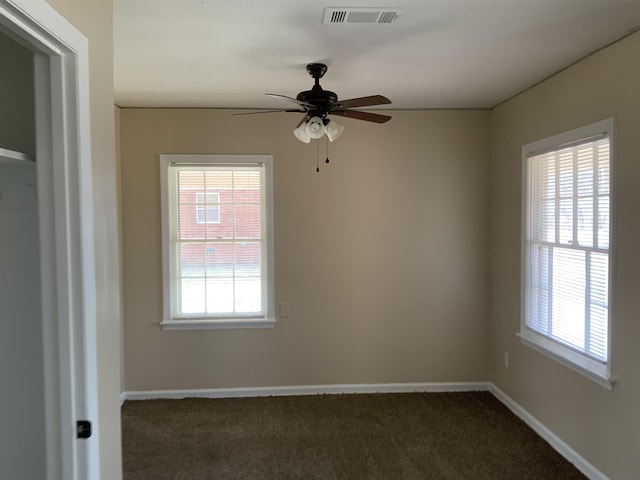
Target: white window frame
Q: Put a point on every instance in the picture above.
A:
(169, 321)
(599, 372)
(202, 208)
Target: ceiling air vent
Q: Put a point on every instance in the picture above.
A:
(361, 15)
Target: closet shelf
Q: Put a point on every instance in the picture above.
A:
(13, 156)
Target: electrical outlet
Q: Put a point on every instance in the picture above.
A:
(507, 360)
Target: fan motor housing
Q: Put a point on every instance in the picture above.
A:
(321, 99)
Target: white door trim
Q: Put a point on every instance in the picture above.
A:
(63, 158)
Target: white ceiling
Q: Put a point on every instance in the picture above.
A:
(438, 54)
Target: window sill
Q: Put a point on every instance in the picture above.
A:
(209, 324)
(592, 369)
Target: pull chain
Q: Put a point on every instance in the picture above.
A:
(327, 142)
(317, 157)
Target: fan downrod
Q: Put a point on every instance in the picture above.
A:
(320, 99)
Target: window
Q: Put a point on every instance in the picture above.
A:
(207, 207)
(217, 241)
(566, 248)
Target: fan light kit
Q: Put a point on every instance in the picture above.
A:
(317, 104)
(315, 127)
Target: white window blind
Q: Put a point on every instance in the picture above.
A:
(217, 220)
(566, 254)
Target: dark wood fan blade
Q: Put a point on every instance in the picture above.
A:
(304, 119)
(270, 111)
(364, 101)
(290, 99)
(358, 115)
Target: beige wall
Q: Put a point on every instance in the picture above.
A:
(602, 426)
(94, 19)
(382, 255)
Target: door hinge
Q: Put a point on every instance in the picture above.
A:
(83, 429)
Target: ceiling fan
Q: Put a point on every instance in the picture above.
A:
(317, 104)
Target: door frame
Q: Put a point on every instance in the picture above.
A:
(65, 206)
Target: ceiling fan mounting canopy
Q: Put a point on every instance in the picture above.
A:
(316, 70)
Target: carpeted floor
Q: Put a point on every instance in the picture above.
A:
(374, 436)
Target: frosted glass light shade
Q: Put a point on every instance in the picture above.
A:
(315, 127)
(301, 134)
(333, 130)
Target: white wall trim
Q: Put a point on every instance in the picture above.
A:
(307, 390)
(556, 442)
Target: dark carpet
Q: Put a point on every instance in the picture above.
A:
(445, 436)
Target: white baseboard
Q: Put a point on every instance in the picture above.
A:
(556, 442)
(307, 390)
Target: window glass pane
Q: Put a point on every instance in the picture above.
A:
(565, 170)
(248, 221)
(547, 176)
(189, 182)
(219, 178)
(598, 314)
(207, 207)
(190, 259)
(603, 169)
(247, 186)
(188, 227)
(192, 297)
(566, 222)
(224, 228)
(219, 259)
(599, 334)
(585, 157)
(248, 298)
(248, 259)
(540, 286)
(220, 295)
(568, 297)
(548, 212)
(599, 275)
(585, 221)
(603, 222)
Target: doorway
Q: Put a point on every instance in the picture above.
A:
(47, 278)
